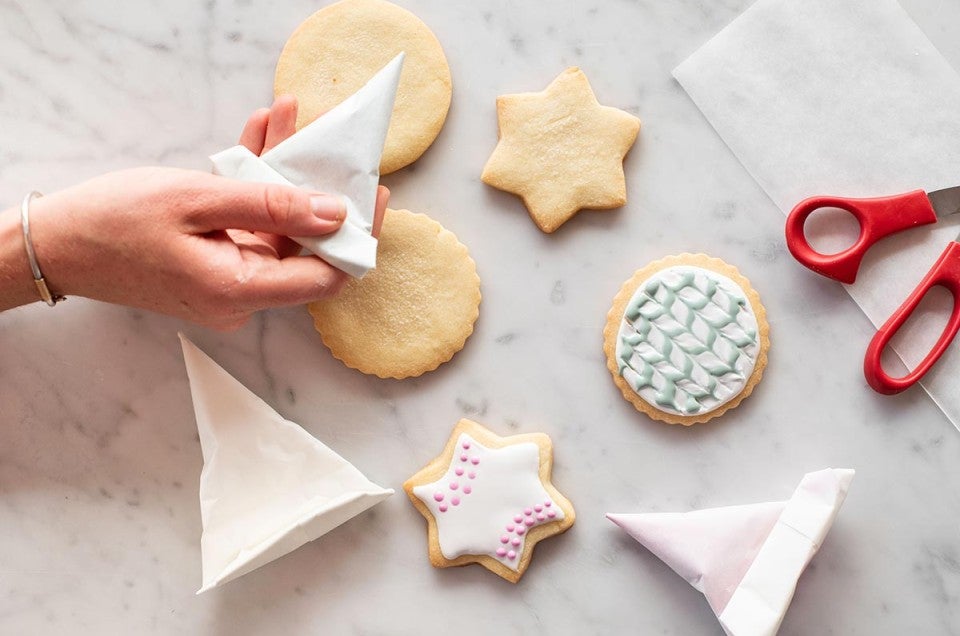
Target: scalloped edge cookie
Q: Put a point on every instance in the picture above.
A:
(414, 311)
(615, 316)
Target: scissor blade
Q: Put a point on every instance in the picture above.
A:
(945, 202)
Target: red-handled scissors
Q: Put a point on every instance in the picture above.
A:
(878, 218)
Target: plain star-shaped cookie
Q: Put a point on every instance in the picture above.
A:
(561, 151)
(488, 499)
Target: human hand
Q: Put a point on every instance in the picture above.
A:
(190, 244)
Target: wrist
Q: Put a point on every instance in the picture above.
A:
(16, 280)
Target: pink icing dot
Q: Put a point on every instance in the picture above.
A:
(467, 489)
(454, 485)
(551, 513)
(521, 530)
(459, 471)
(548, 503)
(504, 539)
(472, 475)
(511, 555)
(541, 516)
(443, 507)
(538, 508)
(466, 445)
(518, 518)
(527, 511)
(528, 522)
(515, 541)
(455, 501)
(463, 457)
(438, 496)
(510, 527)
(501, 552)
(475, 461)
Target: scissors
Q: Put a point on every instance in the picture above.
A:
(878, 218)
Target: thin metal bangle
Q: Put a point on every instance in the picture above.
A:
(45, 294)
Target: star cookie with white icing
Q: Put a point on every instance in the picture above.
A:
(488, 499)
(561, 151)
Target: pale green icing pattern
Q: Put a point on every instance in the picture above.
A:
(688, 340)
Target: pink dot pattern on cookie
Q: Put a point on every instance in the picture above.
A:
(454, 485)
(522, 521)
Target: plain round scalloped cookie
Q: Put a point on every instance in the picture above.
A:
(410, 314)
(340, 47)
(616, 314)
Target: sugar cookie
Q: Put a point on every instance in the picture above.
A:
(561, 151)
(411, 313)
(686, 339)
(488, 499)
(337, 49)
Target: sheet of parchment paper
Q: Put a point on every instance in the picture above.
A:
(844, 97)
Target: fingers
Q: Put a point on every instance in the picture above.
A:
(255, 131)
(218, 203)
(282, 121)
(383, 196)
(267, 127)
(295, 280)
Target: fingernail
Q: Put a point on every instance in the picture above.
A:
(328, 207)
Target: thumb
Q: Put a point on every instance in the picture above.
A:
(266, 207)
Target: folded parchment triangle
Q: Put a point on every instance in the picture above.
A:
(267, 486)
(746, 559)
(338, 153)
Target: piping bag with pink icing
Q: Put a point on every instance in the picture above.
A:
(338, 153)
(746, 559)
(267, 485)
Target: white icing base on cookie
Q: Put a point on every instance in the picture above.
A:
(691, 344)
(496, 507)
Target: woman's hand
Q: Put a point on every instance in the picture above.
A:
(189, 244)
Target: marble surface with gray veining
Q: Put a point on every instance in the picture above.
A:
(99, 456)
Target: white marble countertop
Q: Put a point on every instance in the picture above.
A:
(99, 457)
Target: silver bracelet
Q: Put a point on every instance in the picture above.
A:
(49, 298)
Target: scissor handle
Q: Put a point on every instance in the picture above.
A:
(946, 273)
(878, 217)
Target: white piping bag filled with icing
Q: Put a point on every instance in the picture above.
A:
(337, 153)
(746, 559)
(267, 486)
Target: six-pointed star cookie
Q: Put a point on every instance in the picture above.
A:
(488, 499)
(561, 151)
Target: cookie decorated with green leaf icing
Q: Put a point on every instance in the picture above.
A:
(686, 339)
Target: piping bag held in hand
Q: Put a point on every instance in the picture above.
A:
(338, 153)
